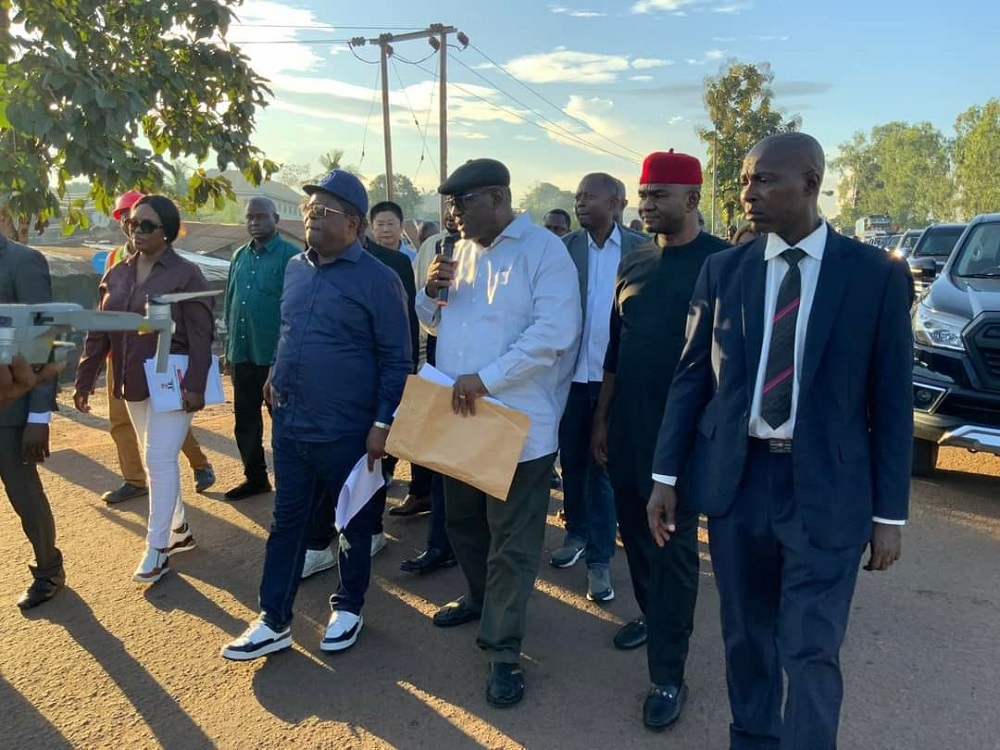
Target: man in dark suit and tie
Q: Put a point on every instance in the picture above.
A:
(789, 424)
(24, 431)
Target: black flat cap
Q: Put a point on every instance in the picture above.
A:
(475, 173)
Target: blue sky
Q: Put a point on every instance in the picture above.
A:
(621, 77)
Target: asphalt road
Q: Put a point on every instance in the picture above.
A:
(110, 664)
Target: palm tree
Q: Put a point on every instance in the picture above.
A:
(332, 160)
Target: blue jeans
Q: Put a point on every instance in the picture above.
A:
(302, 471)
(588, 499)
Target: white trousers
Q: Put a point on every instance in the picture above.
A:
(161, 435)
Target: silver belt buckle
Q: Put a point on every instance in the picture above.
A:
(778, 445)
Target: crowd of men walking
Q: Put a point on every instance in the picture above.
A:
(764, 385)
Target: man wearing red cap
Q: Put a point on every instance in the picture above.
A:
(648, 318)
(119, 425)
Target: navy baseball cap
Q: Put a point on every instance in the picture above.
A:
(342, 185)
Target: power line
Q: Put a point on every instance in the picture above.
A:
(521, 118)
(524, 85)
(560, 129)
(364, 137)
(423, 149)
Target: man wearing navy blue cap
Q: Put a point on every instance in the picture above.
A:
(342, 360)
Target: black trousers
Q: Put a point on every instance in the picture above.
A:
(27, 497)
(665, 582)
(248, 398)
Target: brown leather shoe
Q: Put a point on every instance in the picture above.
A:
(412, 505)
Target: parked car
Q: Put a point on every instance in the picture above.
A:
(956, 370)
(904, 242)
(931, 251)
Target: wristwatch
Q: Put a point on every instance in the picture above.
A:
(380, 425)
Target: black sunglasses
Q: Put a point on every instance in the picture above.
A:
(141, 227)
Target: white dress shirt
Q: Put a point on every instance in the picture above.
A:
(602, 270)
(514, 318)
(813, 246)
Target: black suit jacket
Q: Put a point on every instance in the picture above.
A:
(25, 280)
(401, 264)
(854, 423)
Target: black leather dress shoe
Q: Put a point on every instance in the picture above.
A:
(506, 685)
(40, 591)
(663, 705)
(631, 634)
(248, 489)
(412, 505)
(455, 613)
(428, 561)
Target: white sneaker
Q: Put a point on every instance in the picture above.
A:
(181, 540)
(257, 640)
(378, 543)
(154, 565)
(342, 631)
(318, 560)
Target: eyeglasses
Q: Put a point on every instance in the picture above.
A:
(319, 211)
(141, 227)
(461, 201)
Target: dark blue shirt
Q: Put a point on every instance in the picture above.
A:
(344, 349)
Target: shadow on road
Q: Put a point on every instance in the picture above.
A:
(159, 710)
(24, 726)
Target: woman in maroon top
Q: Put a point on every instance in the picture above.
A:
(154, 269)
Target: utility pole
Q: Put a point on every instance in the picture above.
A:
(386, 50)
(437, 36)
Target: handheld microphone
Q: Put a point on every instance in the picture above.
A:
(447, 249)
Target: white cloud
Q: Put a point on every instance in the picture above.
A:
(525, 138)
(733, 8)
(470, 136)
(587, 14)
(675, 120)
(558, 9)
(594, 113)
(713, 55)
(724, 39)
(770, 38)
(318, 114)
(262, 33)
(646, 63)
(640, 78)
(567, 66)
(666, 6)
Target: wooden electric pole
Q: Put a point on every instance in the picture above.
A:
(437, 35)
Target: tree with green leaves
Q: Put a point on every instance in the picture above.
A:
(901, 170)
(113, 91)
(404, 192)
(976, 156)
(542, 197)
(740, 106)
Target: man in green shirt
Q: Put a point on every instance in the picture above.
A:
(253, 317)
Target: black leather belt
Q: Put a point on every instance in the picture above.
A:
(776, 445)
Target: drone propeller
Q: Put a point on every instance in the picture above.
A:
(169, 299)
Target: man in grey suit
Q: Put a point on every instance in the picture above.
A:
(24, 431)
(589, 504)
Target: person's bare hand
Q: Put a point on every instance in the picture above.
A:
(35, 442)
(267, 391)
(193, 402)
(885, 547)
(81, 400)
(599, 443)
(375, 445)
(439, 275)
(464, 393)
(660, 512)
(20, 377)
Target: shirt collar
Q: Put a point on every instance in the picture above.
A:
(615, 238)
(166, 260)
(352, 254)
(267, 246)
(813, 245)
(516, 228)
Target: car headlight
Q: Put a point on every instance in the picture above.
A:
(932, 328)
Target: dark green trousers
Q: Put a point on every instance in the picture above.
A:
(499, 547)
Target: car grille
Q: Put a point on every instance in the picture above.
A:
(971, 410)
(983, 342)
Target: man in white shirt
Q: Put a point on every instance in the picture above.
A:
(790, 425)
(510, 329)
(588, 500)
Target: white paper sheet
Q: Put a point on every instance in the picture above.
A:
(165, 387)
(360, 487)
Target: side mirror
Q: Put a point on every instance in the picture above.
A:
(924, 269)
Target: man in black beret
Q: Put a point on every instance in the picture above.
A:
(510, 329)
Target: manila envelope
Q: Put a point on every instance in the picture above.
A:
(481, 450)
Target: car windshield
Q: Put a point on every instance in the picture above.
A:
(937, 242)
(909, 240)
(979, 255)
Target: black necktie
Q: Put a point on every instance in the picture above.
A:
(776, 401)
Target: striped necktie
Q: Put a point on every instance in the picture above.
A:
(776, 400)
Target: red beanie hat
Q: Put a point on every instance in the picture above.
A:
(668, 168)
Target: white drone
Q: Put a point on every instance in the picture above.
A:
(32, 331)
